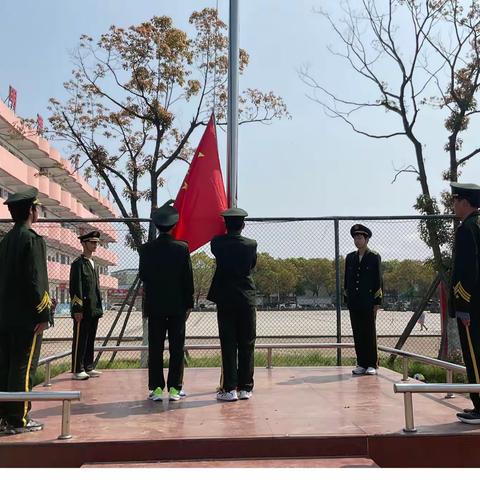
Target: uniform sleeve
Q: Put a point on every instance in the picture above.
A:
(345, 280)
(188, 281)
(142, 265)
(254, 261)
(213, 247)
(38, 277)
(466, 269)
(378, 282)
(76, 293)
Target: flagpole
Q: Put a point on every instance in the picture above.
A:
(232, 114)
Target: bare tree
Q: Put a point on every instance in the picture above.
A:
(425, 46)
(128, 87)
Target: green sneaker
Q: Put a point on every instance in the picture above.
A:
(157, 394)
(173, 394)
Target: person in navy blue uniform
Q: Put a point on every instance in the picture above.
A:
(233, 290)
(166, 272)
(85, 307)
(465, 286)
(363, 290)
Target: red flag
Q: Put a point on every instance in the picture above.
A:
(202, 196)
(12, 97)
(39, 124)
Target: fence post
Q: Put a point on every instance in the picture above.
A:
(338, 290)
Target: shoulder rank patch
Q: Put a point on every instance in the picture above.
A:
(461, 292)
(45, 302)
(77, 301)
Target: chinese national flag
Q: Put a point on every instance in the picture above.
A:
(202, 196)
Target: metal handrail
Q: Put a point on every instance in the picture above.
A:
(406, 356)
(449, 367)
(48, 367)
(423, 359)
(436, 387)
(408, 389)
(65, 397)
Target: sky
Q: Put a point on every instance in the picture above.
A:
(311, 165)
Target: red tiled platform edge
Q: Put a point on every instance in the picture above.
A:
(294, 413)
(336, 462)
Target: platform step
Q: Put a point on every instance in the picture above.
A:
(325, 462)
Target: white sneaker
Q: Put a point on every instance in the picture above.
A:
(358, 370)
(94, 373)
(227, 396)
(244, 395)
(81, 376)
(371, 371)
(150, 394)
(182, 393)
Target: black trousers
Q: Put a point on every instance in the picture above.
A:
(84, 333)
(19, 354)
(365, 336)
(237, 330)
(158, 327)
(470, 342)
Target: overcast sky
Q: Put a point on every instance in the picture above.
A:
(310, 165)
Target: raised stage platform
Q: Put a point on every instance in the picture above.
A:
(297, 417)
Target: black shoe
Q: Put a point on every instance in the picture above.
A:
(6, 428)
(469, 410)
(31, 426)
(472, 418)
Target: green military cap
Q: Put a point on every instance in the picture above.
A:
(469, 191)
(23, 196)
(93, 236)
(362, 229)
(234, 212)
(165, 216)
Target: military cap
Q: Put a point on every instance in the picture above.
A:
(362, 229)
(234, 212)
(469, 191)
(23, 196)
(93, 236)
(165, 216)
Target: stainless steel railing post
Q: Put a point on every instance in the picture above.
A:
(408, 403)
(48, 375)
(65, 435)
(450, 380)
(405, 369)
(269, 358)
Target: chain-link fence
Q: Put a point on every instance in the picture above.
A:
(299, 278)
